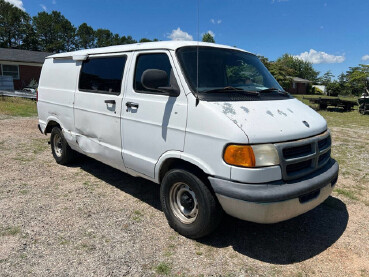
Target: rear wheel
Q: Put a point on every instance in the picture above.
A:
(189, 206)
(62, 153)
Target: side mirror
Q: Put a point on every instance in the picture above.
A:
(157, 80)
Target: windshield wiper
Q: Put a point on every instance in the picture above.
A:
(283, 92)
(232, 89)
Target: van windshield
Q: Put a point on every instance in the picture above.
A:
(226, 73)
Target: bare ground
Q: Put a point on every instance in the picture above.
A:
(91, 220)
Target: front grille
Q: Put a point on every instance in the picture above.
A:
(296, 167)
(302, 157)
(298, 151)
(324, 143)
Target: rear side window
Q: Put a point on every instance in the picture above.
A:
(152, 61)
(102, 75)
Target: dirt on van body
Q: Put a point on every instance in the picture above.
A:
(88, 219)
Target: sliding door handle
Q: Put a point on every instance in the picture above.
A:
(110, 102)
(132, 105)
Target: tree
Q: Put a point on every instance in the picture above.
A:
(13, 25)
(145, 40)
(279, 71)
(54, 32)
(86, 36)
(208, 38)
(30, 41)
(104, 38)
(299, 68)
(326, 78)
(356, 78)
(127, 40)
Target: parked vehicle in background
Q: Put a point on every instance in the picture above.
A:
(207, 122)
(364, 99)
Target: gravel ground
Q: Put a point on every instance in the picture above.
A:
(88, 219)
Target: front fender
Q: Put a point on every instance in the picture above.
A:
(182, 156)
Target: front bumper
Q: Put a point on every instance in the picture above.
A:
(276, 201)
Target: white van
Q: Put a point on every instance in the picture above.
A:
(207, 122)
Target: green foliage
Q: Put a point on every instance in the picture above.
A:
(104, 38)
(86, 36)
(356, 79)
(326, 78)
(298, 67)
(54, 32)
(288, 65)
(127, 40)
(208, 38)
(353, 82)
(14, 25)
(145, 40)
(279, 71)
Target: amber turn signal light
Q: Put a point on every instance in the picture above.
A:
(239, 155)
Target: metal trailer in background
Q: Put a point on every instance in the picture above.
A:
(22, 94)
(346, 105)
(363, 105)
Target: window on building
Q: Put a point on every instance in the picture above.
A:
(10, 70)
(152, 61)
(102, 75)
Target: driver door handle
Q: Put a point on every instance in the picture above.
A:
(132, 105)
(109, 101)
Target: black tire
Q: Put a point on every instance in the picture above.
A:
(363, 109)
(209, 213)
(62, 152)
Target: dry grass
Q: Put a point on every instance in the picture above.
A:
(14, 106)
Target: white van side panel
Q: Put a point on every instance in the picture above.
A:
(56, 93)
(98, 124)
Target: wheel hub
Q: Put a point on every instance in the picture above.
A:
(183, 203)
(187, 201)
(58, 145)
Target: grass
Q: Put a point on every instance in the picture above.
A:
(14, 106)
(137, 215)
(351, 119)
(39, 145)
(9, 231)
(348, 193)
(90, 186)
(163, 268)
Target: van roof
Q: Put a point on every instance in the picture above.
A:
(169, 45)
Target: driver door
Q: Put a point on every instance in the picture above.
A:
(152, 123)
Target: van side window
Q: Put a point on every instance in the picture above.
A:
(102, 75)
(152, 61)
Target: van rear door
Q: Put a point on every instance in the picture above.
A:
(97, 108)
(153, 123)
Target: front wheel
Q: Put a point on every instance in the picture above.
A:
(189, 206)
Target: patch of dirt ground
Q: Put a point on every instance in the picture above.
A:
(89, 219)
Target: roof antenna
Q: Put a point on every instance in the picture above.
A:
(197, 53)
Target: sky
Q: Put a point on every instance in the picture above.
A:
(332, 34)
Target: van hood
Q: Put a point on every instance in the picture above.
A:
(273, 121)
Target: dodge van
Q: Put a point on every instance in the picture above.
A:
(207, 122)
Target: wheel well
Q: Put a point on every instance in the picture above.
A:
(178, 163)
(50, 126)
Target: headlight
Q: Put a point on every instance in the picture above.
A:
(251, 155)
